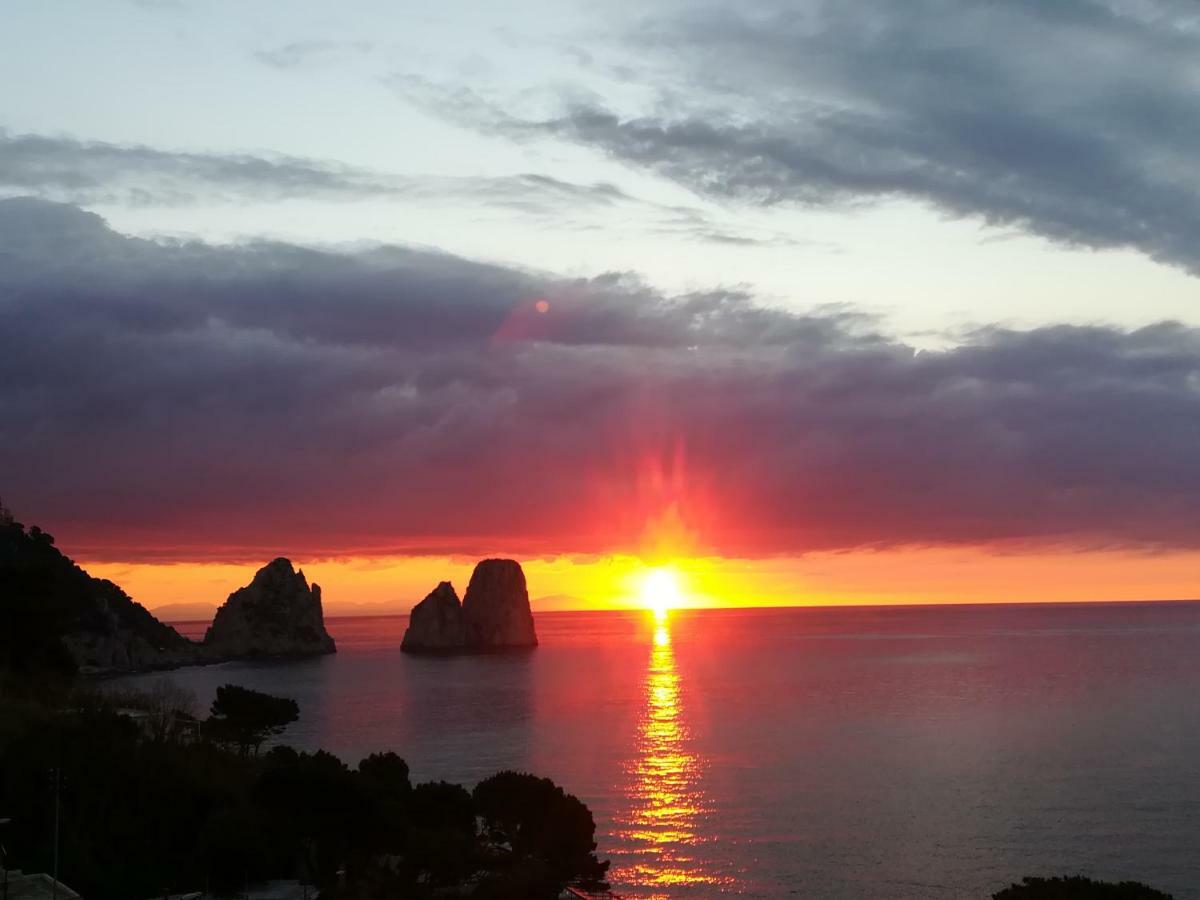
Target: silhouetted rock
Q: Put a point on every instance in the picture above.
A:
(496, 607)
(435, 625)
(494, 614)
(277, 614)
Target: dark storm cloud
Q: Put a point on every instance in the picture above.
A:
(89, 172)
(1076, 121)
(188, 400)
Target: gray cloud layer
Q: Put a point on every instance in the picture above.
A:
(1078, 121)
(190, 400)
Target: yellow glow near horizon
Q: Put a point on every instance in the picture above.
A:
(660, 591)
(379, 585)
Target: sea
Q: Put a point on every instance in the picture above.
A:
(905, 753)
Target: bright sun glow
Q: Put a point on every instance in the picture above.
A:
(660, 590)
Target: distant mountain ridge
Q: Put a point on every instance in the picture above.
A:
(200, 611)
(184, 612)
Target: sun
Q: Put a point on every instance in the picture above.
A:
(660, 590)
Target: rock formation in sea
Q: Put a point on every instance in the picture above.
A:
(496, 607)
(277, 614)
(494, 614)
(435, 625)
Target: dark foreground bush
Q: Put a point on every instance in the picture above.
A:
(1076, 887)
(144, 812)
(551, 834)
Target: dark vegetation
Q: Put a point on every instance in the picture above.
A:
(1077, 887)
(151, 803)
(247, 718)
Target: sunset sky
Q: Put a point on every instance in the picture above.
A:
(817, 303)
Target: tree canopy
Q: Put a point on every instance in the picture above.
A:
(246, 717)
(1076, 887)
(546, 827)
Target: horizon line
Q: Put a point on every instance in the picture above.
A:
(777, 606)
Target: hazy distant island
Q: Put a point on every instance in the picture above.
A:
(493, 616)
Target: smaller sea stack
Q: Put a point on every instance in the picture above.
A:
(435, 625)
(493, 617)
(277, 614)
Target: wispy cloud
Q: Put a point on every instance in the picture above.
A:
(65, 169)
(298, 54)
(93, 171)
(88, 172)
(1075, 121)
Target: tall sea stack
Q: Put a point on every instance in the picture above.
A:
(494, 615)
(277, 614)
(496, 609)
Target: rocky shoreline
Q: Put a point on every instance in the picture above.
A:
(277, 616)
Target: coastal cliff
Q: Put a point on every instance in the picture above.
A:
(55, 617)
(277, 614)
(494, 615)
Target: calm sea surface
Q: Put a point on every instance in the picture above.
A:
(826, 753)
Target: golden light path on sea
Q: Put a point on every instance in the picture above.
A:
(665, 802)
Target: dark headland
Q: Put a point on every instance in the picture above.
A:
(54, 613)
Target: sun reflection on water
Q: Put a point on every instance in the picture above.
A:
(665, 803)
